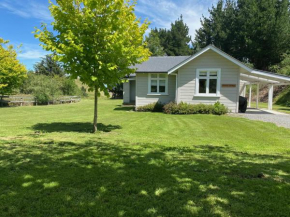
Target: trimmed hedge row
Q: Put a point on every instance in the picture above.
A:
(185, 108)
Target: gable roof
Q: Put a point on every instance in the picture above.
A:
(170, 64)
(160, 64)
(232, 59)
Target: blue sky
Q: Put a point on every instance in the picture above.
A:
(19, 17)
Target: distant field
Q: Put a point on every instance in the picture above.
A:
(140, 164)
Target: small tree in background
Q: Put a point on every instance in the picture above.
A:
(96, 40)
(12, 72)
(48, 66)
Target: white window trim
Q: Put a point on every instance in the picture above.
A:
(207, 94)
(158, 79)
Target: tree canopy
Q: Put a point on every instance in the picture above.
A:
(251, 31)
(175, 41)
(49, 66)
(154, 44)
(96, 40)
(284, 66)
(12, 72)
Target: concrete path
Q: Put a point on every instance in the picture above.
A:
(278, 118)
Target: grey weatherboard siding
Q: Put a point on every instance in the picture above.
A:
(142, 97)
(230, 74)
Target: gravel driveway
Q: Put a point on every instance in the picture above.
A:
(278, 118)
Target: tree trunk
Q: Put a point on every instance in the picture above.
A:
(96, 111)
(1, 103)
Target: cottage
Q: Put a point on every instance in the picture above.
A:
(206, 77)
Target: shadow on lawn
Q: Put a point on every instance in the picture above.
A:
(73, 127)
(124, 108)
(104, 179)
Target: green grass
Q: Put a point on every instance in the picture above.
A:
(279, 108)
(140, 164)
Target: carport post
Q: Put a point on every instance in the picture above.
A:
(250, 95)
(270, 95)
(258, 94)
(244, 90)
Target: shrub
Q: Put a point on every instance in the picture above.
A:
(186, 108)
(84, 92)
(219, 109)
(170, 108)
(153, 107)
(42, 98)
(69, 87)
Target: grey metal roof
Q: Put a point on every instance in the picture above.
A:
(159, 64)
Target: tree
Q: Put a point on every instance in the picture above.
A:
(96, 40)
(154, 45)
(219, 29)
(251, 31)
(176, 40)
(283, 67)
(48, 66)
(12, 72)
(179, 39)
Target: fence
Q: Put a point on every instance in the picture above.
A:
(30, 100)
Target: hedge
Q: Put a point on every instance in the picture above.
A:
(185, 108)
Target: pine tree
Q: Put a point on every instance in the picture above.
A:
(251, 31)
(179, 39)
(176, 40)
(48, 66)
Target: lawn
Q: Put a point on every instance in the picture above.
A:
(140, 164)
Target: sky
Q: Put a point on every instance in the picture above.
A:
(19, 17)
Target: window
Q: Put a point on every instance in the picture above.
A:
(208, 82)
(158, 83)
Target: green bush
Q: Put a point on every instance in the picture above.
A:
(186, 108)
(69, 87)
(170, 108)
(48, 88)
(84, 92)
(153, 107)
(42, 98)
(219, 109)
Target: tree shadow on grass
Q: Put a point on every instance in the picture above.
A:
(124, 108)
(73, 127)
(123, 179)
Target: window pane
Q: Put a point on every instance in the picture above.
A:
(213, 86)
(162, 75)
(213, 73)
(153, 86)
(203, 73)
(162, 86)
(202, 85)
(153, 75)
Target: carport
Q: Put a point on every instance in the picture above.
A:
(248, 78)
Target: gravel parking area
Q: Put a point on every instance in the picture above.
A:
(280, 119)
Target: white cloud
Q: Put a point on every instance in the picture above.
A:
(31, 52)
(162, 13)
(27, 9)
